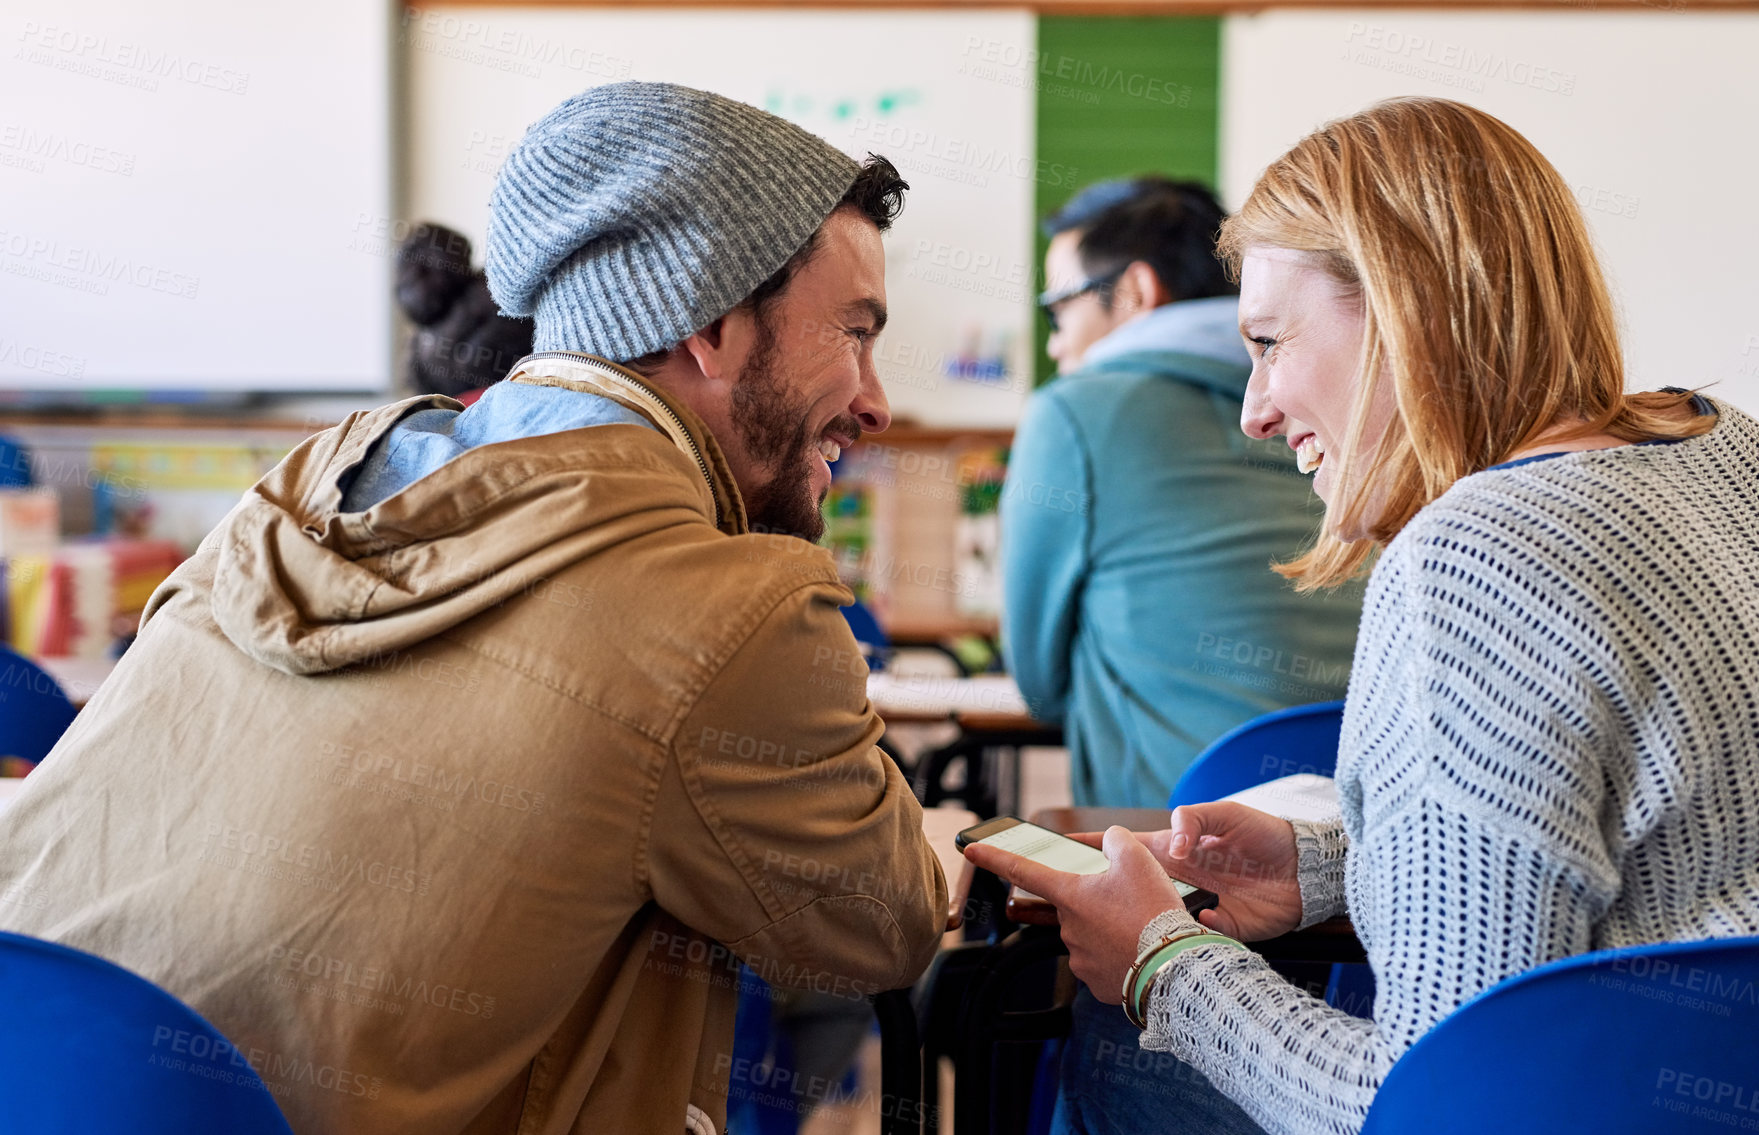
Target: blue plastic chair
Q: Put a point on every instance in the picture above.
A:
(753, 1103)
(1300, 739)
(33, 710)
(1285, 742)
(91, 1047)
(876, 645)
(1657, 1039)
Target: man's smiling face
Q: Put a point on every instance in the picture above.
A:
(806, 387)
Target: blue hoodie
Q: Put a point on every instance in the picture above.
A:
(1138, 526)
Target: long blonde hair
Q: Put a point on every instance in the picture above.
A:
(1483, 303)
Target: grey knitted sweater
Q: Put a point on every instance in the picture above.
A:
(1550, 746)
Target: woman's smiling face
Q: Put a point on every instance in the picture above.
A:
(1304, 331)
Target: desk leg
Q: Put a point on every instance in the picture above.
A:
(901, 1111)
(978, 794)
(1006, 778)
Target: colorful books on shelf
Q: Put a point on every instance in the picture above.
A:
(76, 599)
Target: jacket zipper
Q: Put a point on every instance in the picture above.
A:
(651, 401)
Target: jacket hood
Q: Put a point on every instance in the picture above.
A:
(1198, 340)
(304, 587)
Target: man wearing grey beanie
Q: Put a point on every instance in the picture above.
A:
(474, 749)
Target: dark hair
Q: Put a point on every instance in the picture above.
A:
(1169, 225)
(877, 194)
(461, 340)
(433, 268)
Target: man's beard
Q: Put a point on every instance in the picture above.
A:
(776, 431)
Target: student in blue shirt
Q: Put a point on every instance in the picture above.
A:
(1138, 524)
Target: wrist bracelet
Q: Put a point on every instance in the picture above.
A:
(1155, 962)
(1135, 970)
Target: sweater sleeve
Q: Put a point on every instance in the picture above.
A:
(1045, 530)
(1320, 849)
(1475, 778)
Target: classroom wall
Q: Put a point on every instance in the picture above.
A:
(253, 161)
(946, 95)
(193, 194)
(1648, 115)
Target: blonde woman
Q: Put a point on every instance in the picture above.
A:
(1551, 740)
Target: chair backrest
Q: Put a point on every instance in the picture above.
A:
(33, 710)
(1300, 739)
(89, 1046)
(1659, 1039)
(875, 644)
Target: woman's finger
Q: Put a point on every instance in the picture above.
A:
(1154, 841)
(1191, 822)
(1022, 872)
(1219, 921)
(1123, 846)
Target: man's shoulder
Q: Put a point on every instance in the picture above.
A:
(1139, 377)
(768, 623)
(644, 626)
(1089, 398)
(700, 569)
(1118, 377)
(726, 591)
(1131, 403)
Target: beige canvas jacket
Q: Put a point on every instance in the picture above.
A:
(443, 811)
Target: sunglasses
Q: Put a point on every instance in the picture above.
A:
(1049, 302)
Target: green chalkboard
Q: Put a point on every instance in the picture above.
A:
(1122, 96)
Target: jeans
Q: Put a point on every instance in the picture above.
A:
(1109, 1085)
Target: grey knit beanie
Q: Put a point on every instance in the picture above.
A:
(635, 214)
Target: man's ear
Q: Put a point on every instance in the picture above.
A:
(1140, 289)
(720, 349)
(704, 348)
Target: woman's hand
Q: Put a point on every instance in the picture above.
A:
(1245, 856)
(1102, 914)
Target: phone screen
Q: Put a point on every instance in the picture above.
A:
(1041, 845)
(1050, 849)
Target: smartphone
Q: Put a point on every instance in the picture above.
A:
(1041, 845)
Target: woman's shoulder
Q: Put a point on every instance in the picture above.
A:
(1586, 532)
(1571, 503)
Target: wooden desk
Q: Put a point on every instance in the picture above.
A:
(932, 697)
(987, 721)
(1331, 941)
(991, 714)
(940, 825)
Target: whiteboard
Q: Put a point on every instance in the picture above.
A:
(946, 95)
(1650, 117)
(197, 197)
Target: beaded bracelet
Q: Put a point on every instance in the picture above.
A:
(1155, 962)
